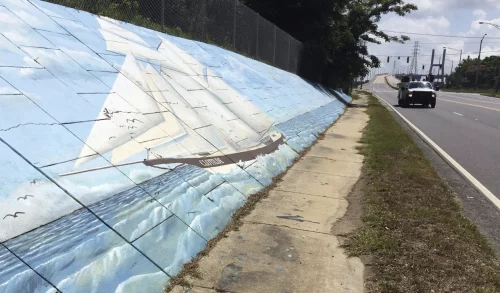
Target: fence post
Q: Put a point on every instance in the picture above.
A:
(162, 15)
(257, 39)
(289, 43)
(274, 48)
(300, 49)
(234, 25)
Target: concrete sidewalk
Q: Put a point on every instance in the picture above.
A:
(289, 243)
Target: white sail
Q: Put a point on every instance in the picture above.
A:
(142, 51)
(188, 119)
(209, 108)
(184, 110)
(172, 127)
(240, 106)
(119, 31)
(121, 119)
(168, 49)
(174, 99)
(168, 130)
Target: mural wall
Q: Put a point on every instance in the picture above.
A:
(124, 150)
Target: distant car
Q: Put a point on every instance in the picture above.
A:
(416, 92)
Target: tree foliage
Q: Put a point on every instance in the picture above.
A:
(335, 33)
(486, 70)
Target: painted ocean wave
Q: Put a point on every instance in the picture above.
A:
(162, 223)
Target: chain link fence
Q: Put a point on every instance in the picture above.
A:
(225, 23)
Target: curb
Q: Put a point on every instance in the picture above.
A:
(387, 82)
(486, 95)
(447, 158)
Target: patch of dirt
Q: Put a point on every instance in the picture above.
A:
(351, 221)
(345, 227)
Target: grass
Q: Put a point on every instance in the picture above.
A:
(414, 231)
(487, 92)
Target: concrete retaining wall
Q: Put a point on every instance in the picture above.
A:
(124, 150)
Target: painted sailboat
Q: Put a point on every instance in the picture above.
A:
(176, 113)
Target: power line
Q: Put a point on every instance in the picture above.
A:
(464, 53)
(440, 43)
(435, 35)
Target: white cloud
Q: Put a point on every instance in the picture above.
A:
(440, 7)
(442, 17)
(479, 13)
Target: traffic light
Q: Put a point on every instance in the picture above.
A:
(388, 59)
(423, 67)
(408, 60)
(399, 57)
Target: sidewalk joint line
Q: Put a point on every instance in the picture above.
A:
(303, 193)
(285, 226)
(323, 173)
(336, 160)
(212, 289)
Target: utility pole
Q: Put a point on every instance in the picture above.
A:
(479, 61)
(442, 65)
(432, 62)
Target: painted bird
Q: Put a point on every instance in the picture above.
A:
(15, 215)
(25, 197)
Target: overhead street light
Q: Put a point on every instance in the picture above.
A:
(492, 24)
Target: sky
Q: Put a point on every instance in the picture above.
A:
(441, 17)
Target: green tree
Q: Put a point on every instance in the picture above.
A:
(487, 70)
(335, 33)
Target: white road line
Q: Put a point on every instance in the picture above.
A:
(469, 99)
(457, 114)
(454, 164)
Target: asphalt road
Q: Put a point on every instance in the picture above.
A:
(466, 126)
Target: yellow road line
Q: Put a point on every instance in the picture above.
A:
(472, 105)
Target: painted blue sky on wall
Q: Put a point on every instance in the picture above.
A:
(123, 150)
